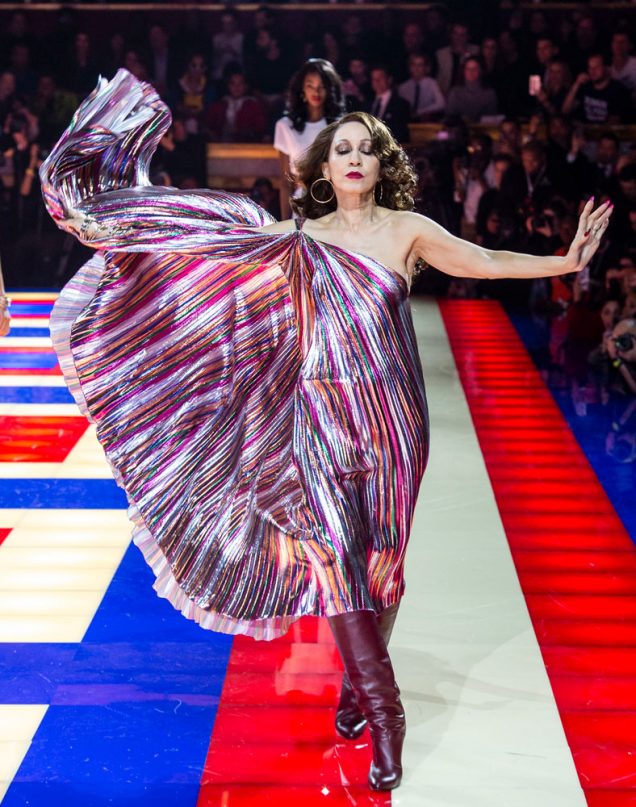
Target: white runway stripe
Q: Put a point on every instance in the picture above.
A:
(27, 322)
(483, 728)
(26, 341)
(18, 724)
(40, 410)
(31, 381)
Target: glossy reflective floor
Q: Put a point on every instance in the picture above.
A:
(515, 647)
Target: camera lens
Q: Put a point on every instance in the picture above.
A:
(624, 342)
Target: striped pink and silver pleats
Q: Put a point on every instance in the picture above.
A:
(258, 396)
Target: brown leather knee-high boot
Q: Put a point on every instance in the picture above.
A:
(350, 722)
(366, 660)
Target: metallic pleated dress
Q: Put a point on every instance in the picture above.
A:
(258, 396)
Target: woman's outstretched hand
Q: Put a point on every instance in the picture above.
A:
(592, 225)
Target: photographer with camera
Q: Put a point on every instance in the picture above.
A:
(621, 348)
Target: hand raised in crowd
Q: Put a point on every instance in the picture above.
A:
(592, 225)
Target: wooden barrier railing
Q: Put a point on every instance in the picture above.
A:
(238, 165)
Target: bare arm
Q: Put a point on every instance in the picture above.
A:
(570, 99)
(461, 258)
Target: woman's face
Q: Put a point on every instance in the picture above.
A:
(196, 66)
(556, 74)
(352, 167)
(314, 91)
(609, 314)
(472, 71)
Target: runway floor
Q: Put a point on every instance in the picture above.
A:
(515, 646)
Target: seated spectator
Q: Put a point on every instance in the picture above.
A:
(623, 64)
(595, 97)
(180, 160)
(263, 19)
(568, 166)
(411, 42)
(436, 26)
(510, 138)
(266, 195)
(80, 67)
(546, 52)
(513, 97)
(271, 68)
(357, 86)
(387, 104)
(584, 41)
(471, 99)
(529, 185)
(470, 181)
(115, 53)
(238, 117)
(7, 94)
(605, 164)
(21, 67)
(422, 92)
(54, 109)
(194, 93)
(492, 201)
(134, 63)
(161, 60)
(493, 74)
(227, 45)
(330, 48)
(554, 90)
(450, 58)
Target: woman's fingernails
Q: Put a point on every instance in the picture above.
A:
(587, 233)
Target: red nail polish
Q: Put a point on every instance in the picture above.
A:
(586, 233)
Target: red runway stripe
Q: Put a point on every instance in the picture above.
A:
(274, 741)
(32, 438)
(575, 560)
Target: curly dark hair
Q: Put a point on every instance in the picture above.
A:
(398, 180)
(296, 108)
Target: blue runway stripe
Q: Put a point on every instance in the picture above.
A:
(35, 395)
(21, 332)
(39, 494)
(20, 360)
(132, 706)
(29, 309)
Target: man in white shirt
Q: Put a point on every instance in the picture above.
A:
(623, 65)
(450, 58)
(421, 91)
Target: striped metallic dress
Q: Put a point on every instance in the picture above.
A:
(258, 396)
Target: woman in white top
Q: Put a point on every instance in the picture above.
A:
(315, 98)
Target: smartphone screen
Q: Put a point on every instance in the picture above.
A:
(534, 84)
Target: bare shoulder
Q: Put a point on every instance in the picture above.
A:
(285, 226)
(413, 224)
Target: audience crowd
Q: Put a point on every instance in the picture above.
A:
(547, 98)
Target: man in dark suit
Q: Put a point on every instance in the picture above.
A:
(387, 105)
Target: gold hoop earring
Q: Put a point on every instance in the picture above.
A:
(379, 199)
(321, 201)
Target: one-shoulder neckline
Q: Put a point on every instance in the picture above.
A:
(354, 254)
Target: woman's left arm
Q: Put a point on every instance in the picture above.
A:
(460, 258)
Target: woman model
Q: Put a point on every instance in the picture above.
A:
(256, 385)
(315, 98)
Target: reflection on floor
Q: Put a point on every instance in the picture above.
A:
(109, 696)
